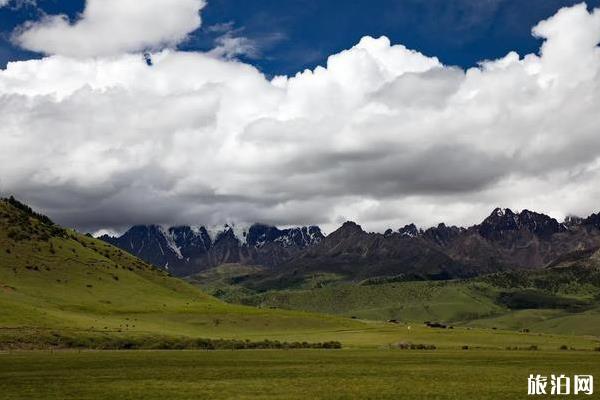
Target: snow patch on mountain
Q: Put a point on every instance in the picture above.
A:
(240, 231)
(170, 240)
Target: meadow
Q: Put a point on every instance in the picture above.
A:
(559, 300)
(277, 374)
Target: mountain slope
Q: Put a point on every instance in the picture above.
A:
(354, 255)
(56, 280)
(563, 298)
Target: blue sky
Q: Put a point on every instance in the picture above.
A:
(291, 35)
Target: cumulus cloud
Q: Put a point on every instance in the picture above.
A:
(109, 27)
(381, 134)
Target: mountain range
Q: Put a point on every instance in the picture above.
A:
(185, 250)
(505, 240)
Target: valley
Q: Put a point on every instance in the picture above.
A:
(563, 298)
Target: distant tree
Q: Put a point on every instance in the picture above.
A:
(26, 209)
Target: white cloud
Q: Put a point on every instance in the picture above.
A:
(230, 46)
(17, 4)
(109, 27)
(381, 134)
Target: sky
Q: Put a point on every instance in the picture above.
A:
(121, 112)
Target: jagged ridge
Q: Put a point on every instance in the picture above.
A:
(184, 250)
(504, 240)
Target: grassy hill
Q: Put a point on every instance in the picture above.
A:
(562, 299)
(405, 301)
(55, 281)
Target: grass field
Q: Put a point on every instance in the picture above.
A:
(297, 374)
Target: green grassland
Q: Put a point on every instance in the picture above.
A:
(562, 299)
(235, 283)
(405, 301)
(297, 374)
(223, 281)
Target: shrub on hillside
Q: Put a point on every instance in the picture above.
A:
(17, 234)
(414, 346)
(530, 348)
(436, 325)
(58, 340)
(536, 299)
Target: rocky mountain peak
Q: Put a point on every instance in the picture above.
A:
(409, 230)
(573, 220)
(351, 226)
(301, 237)
(443, 234)
(592, 221)
(501, 221)
(226, 235)
(348, 229)
(499, 212)
(501, 217)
